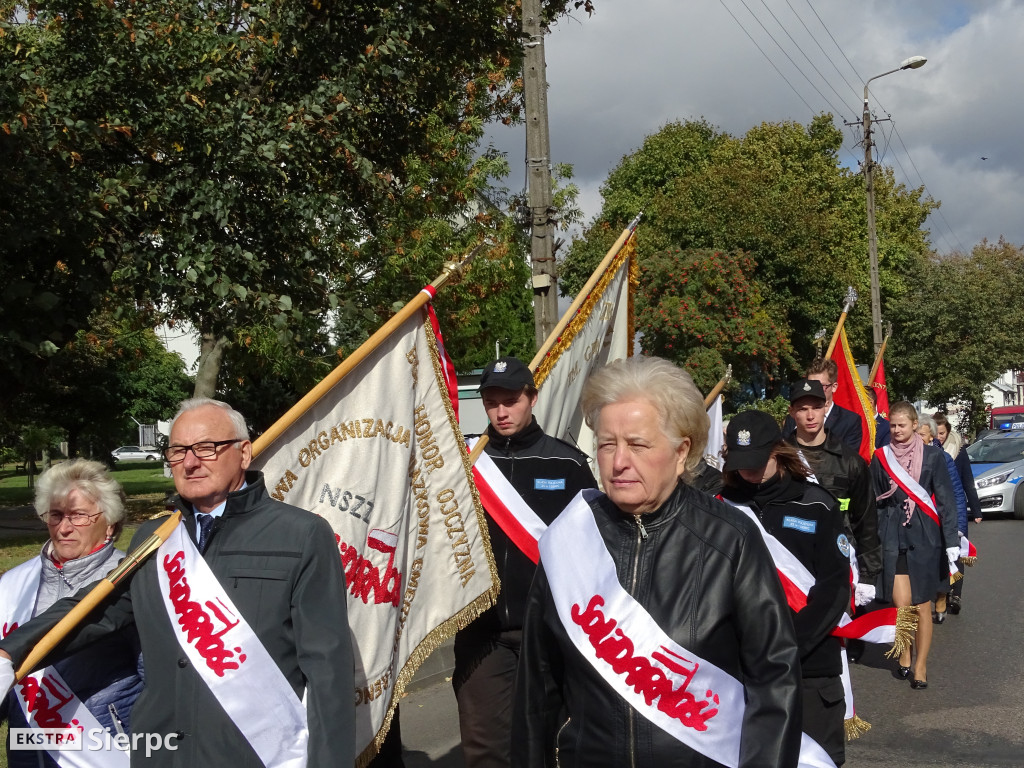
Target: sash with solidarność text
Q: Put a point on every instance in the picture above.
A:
(229, 657)
(689, 698)
(45, 698)
(505, 506)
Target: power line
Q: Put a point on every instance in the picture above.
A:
(803, 53)
(790, 58)
(824, 53)
(767, 57)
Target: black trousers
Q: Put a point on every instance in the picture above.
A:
(824, 712)
(484, 683)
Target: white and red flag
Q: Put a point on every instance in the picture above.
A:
(381, 457)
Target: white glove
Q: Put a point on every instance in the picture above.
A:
(863, 593)
(6, 675)
(952, 554)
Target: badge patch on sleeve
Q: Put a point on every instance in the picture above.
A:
(844, 545)
(549, 484)
(799, 524)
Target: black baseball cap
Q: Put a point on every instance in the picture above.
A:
(806, 388)
(507, 373)
(750, 438)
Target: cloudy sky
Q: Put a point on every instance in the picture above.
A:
(637, 64)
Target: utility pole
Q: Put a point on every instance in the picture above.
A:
(914, 62)
(538, 164)
(869, 188)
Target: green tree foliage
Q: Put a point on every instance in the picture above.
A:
(779, 194)
(958, 328)
(93, 387)
(701, 309)
(227, 161)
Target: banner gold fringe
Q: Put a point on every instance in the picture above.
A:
(463, 618)
(955, 577)
(906, 626)
(969, 561)
(573, 327)
(855, 727)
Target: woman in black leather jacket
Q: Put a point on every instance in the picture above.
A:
(696, 566)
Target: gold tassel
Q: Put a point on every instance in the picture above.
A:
(969, 561)
(955, 577)
(855, 727)
(906, 626)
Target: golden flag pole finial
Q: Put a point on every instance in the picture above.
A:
(717, 389)
(849, 300)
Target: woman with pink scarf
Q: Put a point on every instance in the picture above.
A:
(917, 526)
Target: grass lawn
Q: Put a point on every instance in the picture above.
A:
(136, 477)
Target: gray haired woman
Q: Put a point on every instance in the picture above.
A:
(699, 584)
(83, 509)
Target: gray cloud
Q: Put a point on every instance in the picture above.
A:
(633, 66)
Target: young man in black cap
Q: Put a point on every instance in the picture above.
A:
(840, 470)
(764, 472)
(546, 473)
(840, 422)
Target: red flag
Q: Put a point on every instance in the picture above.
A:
(881, 390)
(851, 396)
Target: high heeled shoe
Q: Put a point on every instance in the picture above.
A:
(903, 672)
(918, 685)
(938, 617)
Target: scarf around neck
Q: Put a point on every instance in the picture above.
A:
(910, 456)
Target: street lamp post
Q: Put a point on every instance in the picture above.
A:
(876, 297)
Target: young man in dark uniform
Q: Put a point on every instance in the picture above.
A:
(546, 473)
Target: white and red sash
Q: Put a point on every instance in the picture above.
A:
(229, 657)
(908, 484)
(505, 506)
(968, 552)
(875, 627)
(45, 698)
(689, 698)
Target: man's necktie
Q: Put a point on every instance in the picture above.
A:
(205, 524)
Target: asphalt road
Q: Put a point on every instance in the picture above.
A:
(970, 716)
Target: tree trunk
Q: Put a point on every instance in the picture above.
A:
(210, 356)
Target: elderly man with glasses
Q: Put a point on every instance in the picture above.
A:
(241, 559)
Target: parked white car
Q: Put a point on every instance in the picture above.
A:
(135, 453)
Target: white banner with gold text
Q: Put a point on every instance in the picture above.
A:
(381, 457)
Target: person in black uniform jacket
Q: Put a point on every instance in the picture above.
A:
(766, 473)
(547, 473)
(841, 471)
(841, 423)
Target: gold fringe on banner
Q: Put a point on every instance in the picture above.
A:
(969, 561)
(906, 626)
(463, 618)
(955, 577)
(855, 727)
(573, 327)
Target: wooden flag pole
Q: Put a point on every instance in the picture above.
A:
(717, 390)
(349, 363)
(851, 299)
(878, 357)
(96, 595)
(568, 315)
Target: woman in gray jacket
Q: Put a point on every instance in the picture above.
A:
(83, 509)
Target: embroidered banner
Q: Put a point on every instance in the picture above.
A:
(381, 457)
(599, 333)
